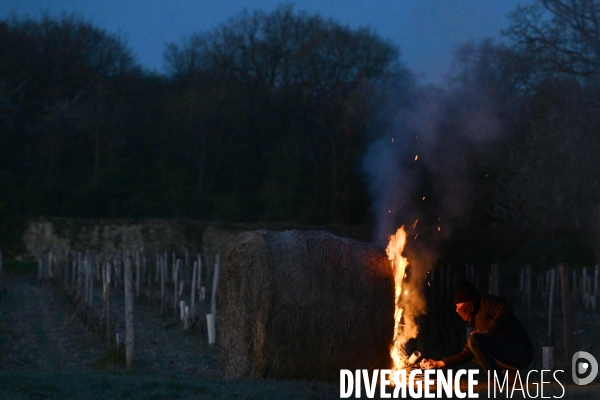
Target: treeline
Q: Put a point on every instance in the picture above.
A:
(517, 139)
(269, 117)
(261, 119)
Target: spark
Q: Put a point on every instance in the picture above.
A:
(439, 229)
(416, 235)
(416, 157)
(393, 142)
(414, 225)
(423, 197)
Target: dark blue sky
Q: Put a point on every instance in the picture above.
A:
(426, 31)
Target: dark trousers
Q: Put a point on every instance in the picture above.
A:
(494, 353)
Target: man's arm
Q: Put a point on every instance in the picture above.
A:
(464, 356)
(460, 358)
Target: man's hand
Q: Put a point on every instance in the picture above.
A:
(431, 364)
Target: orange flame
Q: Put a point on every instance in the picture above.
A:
(399, 263)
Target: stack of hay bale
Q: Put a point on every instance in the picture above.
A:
(304, 304)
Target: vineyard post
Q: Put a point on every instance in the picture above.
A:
(156, 276)
(584, 287)
(186, 267)
(166, 266)
(129, 339)
(50, 275)
(80, 276)
(148, 269)
(40, 263)
(552, 285)
(213, 299)
(176, 285)
(566, 308)
(527, 285)
(163, 267)
(93, 264)
(547, 357)
(199, 285)
(106, 296)
(574, 291)
(137, 274)
(181, 309)
(193, 288)
(596, 273)
(86, 280)
(173, 263)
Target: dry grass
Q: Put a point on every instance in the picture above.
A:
(304, 304)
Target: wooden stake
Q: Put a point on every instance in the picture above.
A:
(596, 273)
(193, 288)
(40, 268)
(199, 284)
(163, 271)
(552, 284)
(548, 358)
(86, 280)
(213, 299)
(137, 274)
(80, 275)
(176, 269)
(584, 286)
(566, 307)
(158, 267)
(527, 285)
(50, 272)
(106, 296)
(174, 262)
(92, 275)
(186, 267)
(129, 339)
(574, 292)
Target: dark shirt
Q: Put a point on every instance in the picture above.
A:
(495, 315)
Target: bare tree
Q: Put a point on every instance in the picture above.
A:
(561, 36)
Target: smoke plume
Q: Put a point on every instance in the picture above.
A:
(419, 176)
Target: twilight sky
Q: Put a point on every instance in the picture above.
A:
(426, 31)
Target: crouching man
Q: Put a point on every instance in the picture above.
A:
(498, 340)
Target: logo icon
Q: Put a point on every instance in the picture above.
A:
(580, 368)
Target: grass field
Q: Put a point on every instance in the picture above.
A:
(46, 352)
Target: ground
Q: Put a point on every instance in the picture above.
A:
(47, 352)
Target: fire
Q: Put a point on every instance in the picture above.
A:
(399, 263)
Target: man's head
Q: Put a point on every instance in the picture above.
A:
(466, 292)
(464, 298)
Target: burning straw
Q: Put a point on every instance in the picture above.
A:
(304, 304)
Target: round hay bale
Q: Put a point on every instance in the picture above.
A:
(304, 304)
